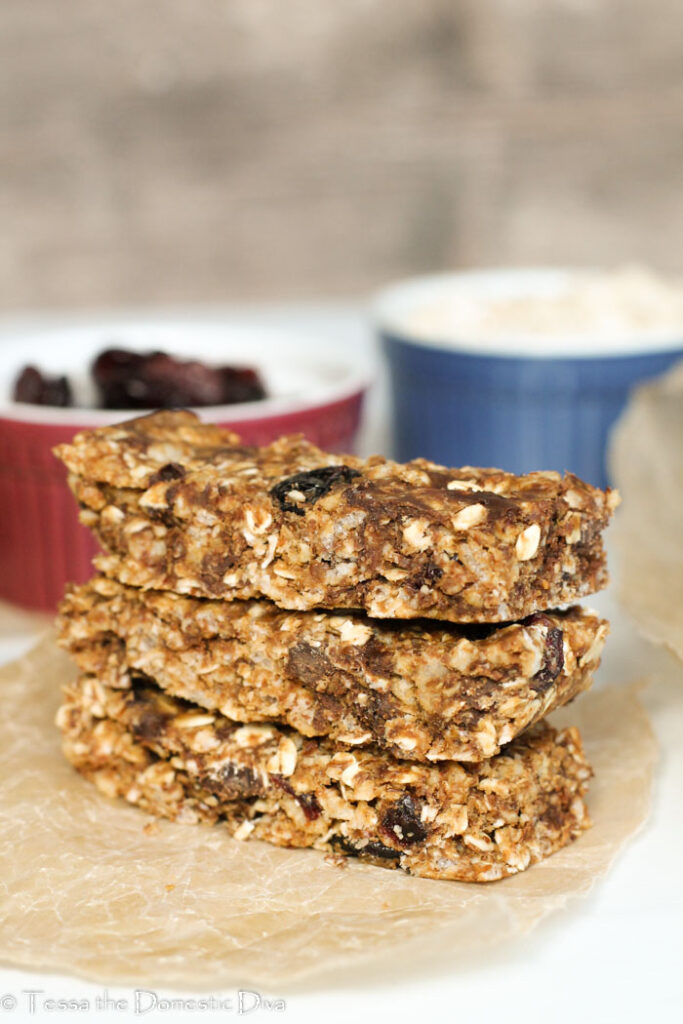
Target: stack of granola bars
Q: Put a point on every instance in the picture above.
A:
(321, 651)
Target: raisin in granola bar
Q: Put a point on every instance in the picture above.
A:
(452, 821)
(422, 691)
(182, 506)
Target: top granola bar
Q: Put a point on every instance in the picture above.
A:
(180, 505)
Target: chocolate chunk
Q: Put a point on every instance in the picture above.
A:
(151, 720)
(233, 783)
(327, 710)
(379, 850)
(429, 574)
(214, 566)
(308, 664)
(554, 817)
(164, 516)
(312, 484)
(150, 725)
(376, 850)
(171, 471)
(376, 711)
(377, 657)
(402, 822)
(495, 503)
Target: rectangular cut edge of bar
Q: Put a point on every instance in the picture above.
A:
(123, 635)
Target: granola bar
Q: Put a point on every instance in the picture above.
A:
(419, 690)
(181, 506)
(452, 821)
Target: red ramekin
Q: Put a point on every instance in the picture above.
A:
(42, 543)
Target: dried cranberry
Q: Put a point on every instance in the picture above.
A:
(240, 385)
(171, 382)
(307, 801)
(113, 371)
(402, 822)
(553, 655)
(309, 805)
(312, 484)
(133, 380)
(36, 388)
(281, 782)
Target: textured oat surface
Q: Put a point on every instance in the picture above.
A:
(468, 822)
(420, 690)
(181, 506)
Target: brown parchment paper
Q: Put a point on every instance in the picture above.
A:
(86, 891)
(646, 460)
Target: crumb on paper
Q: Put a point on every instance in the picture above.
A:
(336, 860)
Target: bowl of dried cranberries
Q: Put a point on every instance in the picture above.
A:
(262, 383)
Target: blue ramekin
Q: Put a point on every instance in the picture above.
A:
(509, 407)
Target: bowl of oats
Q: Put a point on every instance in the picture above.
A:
(524, 368)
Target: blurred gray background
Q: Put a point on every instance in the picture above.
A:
(175, 151)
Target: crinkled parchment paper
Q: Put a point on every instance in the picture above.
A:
(646, 460)
(85, 890)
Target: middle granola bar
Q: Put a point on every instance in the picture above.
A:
(421, 691)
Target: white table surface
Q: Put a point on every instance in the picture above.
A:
(615, 956)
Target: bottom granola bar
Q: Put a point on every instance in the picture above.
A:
(470, 822)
